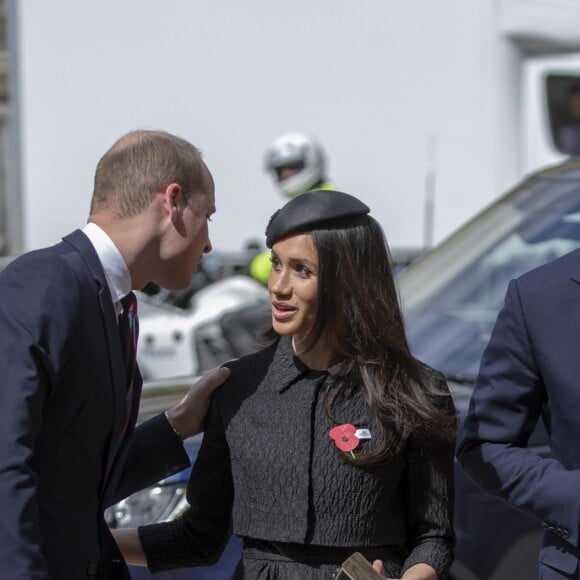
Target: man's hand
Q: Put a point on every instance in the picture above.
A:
(188, 415)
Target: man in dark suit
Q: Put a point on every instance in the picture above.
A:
(68, 443)
(531, 368)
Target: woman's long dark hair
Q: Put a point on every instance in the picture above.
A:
(358, 305)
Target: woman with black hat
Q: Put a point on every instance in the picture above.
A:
(331, 440)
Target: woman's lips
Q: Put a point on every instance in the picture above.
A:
(282, 311)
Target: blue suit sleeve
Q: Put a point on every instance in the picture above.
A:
(153, 453)
(504, 409)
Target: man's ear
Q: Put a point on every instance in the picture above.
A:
(173, 200)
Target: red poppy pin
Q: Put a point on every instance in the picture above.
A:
(345, 438)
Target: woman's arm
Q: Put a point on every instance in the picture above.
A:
(430, 490)
(196, 538)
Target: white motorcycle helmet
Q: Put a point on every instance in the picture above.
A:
(302, 154)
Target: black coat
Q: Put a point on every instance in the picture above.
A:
(268, 463)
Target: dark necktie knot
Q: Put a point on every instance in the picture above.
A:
(129, 304)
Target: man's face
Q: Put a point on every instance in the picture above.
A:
(187, 242)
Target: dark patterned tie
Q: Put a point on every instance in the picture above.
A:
(129, 331)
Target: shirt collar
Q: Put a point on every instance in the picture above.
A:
(116, 270)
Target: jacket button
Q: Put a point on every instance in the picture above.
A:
(92, 568)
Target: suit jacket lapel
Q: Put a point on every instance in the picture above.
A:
(116, 363)
(117, 369)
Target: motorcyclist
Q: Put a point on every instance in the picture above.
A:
(297, 163)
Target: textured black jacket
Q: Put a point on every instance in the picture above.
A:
(268, 464)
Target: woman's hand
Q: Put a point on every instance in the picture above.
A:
(420, 572)
(417, 572)
(130, 546)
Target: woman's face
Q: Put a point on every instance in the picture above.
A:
(293, 285)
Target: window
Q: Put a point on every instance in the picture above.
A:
(563, 101)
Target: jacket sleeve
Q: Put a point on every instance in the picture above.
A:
(504, 408)
(199, 536)
(35, 325)
(429, 500)
(154, 452)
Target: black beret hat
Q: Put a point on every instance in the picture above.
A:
(313, 210)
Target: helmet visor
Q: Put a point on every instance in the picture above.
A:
(288, 170)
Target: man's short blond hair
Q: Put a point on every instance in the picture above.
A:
(140, 164)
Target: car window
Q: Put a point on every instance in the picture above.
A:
(452, 300)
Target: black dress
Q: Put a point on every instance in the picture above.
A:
(269, 471)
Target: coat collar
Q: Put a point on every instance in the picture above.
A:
(83, 245)
(287, 369)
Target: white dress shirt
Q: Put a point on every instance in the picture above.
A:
(114, 266)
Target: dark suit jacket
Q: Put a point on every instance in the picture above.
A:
(62, 406)
(532, 366)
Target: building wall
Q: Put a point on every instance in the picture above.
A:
(394, 90)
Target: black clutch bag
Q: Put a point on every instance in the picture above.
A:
(357, 567)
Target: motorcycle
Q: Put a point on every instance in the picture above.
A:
(219, 317)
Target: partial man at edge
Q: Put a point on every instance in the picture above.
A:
(531, 370)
